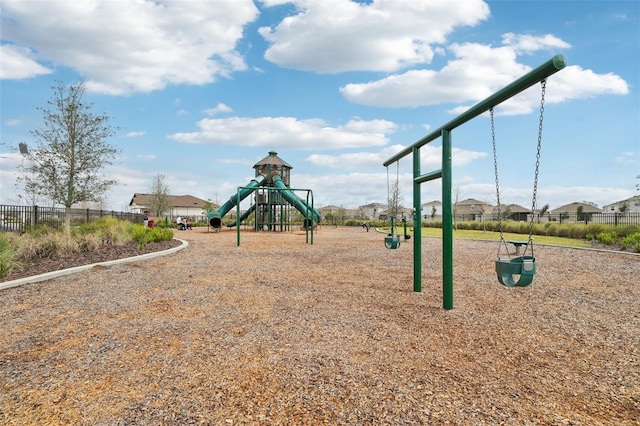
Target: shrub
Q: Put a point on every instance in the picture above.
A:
(563, 231)
(109, 230)
(8, 255)
(161, 234)
(631, 242)
(143, 235)
(87, 243)
(594, 229)
(463, 225)
(43, 245)
(625, 230)
(606, 238)
(552, 230)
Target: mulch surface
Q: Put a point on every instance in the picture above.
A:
(281, 332)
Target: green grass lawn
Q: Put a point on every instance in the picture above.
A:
(495, 236)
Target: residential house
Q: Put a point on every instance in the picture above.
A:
(571, 211)
(334, 214)
(182, 205)
(512, 212)
(432, 210)
(471, 209)
(630, 205)
(372, 211)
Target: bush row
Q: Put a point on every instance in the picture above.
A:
(44, 242)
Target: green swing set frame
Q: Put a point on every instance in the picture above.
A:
(527, 266)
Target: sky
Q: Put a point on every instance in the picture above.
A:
(200, 91)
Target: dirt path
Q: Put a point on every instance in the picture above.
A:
(277, 331)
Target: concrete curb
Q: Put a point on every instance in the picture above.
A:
(69, 271)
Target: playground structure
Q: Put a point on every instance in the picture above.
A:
(504, 268)
(274, 199)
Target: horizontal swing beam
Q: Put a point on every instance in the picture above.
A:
(550, 67)
(436, 174)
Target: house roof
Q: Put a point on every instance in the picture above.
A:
(573, 207)
(513, 208)
(331, 207)
(175, 200)
(373, 205)
(470, 201)
(628, 200)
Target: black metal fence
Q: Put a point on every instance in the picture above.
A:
(615, 219)
(20, 218)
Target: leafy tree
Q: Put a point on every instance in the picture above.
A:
(624, 208)
(341, 213)
(71, 149)
(159, 202)
(506, 214)
(208, 205)
(543, 211)
(580, 212)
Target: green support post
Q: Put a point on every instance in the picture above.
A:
(417, 225)
(238, 219)
(447, 223)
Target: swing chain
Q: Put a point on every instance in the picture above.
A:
(535, 180)
(495, 167)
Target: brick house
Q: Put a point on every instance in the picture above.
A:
(182, 205)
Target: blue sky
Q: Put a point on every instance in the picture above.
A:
(202, 90)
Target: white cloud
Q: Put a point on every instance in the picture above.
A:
(528, 43)
(220, 108)
(288, 132)
(476, 72)
(430, 158)
(18, 63)
(131, 46)
(332, 36)
(146, 157)
(355, 160)
(135, 134)
(627, 158)
(12, 121)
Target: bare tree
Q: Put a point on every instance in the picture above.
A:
(456, 199)
(159, 202)
(395, 200)
(71, 149)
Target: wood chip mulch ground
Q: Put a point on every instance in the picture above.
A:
(280, 332)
